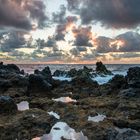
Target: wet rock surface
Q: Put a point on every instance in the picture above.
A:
(117, 101)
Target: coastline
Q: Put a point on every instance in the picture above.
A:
(89, 110)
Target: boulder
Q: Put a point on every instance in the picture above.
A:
(18, 80)
(101, 69)
(7, 105)
(118, 82)
(5, 85)
(10, 68)
(13, 67)
(37, 84)
(133, 77)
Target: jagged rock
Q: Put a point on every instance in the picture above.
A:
(101, 69)
(59, 73)
(7, 105)
(38, 84)
(13, 67)
(45, 73)
(73, 72)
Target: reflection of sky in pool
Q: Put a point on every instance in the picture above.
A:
(64, 100)
(61, 129)
(22, 106)
(97, 118)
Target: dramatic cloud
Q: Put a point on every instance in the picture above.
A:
(37, 11)
(127, 42)
(74, 52)
(131, 42)
(22, 14)
(60, 32)
(62, 29)
(51, 42)
(41, 43)
(125, 55)
(83, 36)
(111, 13)
(60, 16)
(12, 40)
(102, 44)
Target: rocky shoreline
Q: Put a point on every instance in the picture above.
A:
(96, 112)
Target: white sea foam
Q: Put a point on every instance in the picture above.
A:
(61, 129)
(22, 106)
(64, 100)
(62, 78)
(97, 118)
(54, 114)
(102, 80)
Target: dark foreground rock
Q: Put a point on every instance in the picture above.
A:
(12, 68)
(25, 125)
(117, 100)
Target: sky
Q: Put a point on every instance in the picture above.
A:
(70, 31)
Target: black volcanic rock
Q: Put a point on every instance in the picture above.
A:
(133, 83)
(118, 82)
(7, 105)
(101, 69)
(59, 73)
(84, 80)
(133, 77)
(45, 73)
(5, 84)
(38, 84)
(12, 68)
(72, 73)
(11, 77)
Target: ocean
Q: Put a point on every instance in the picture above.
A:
(115, 68)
